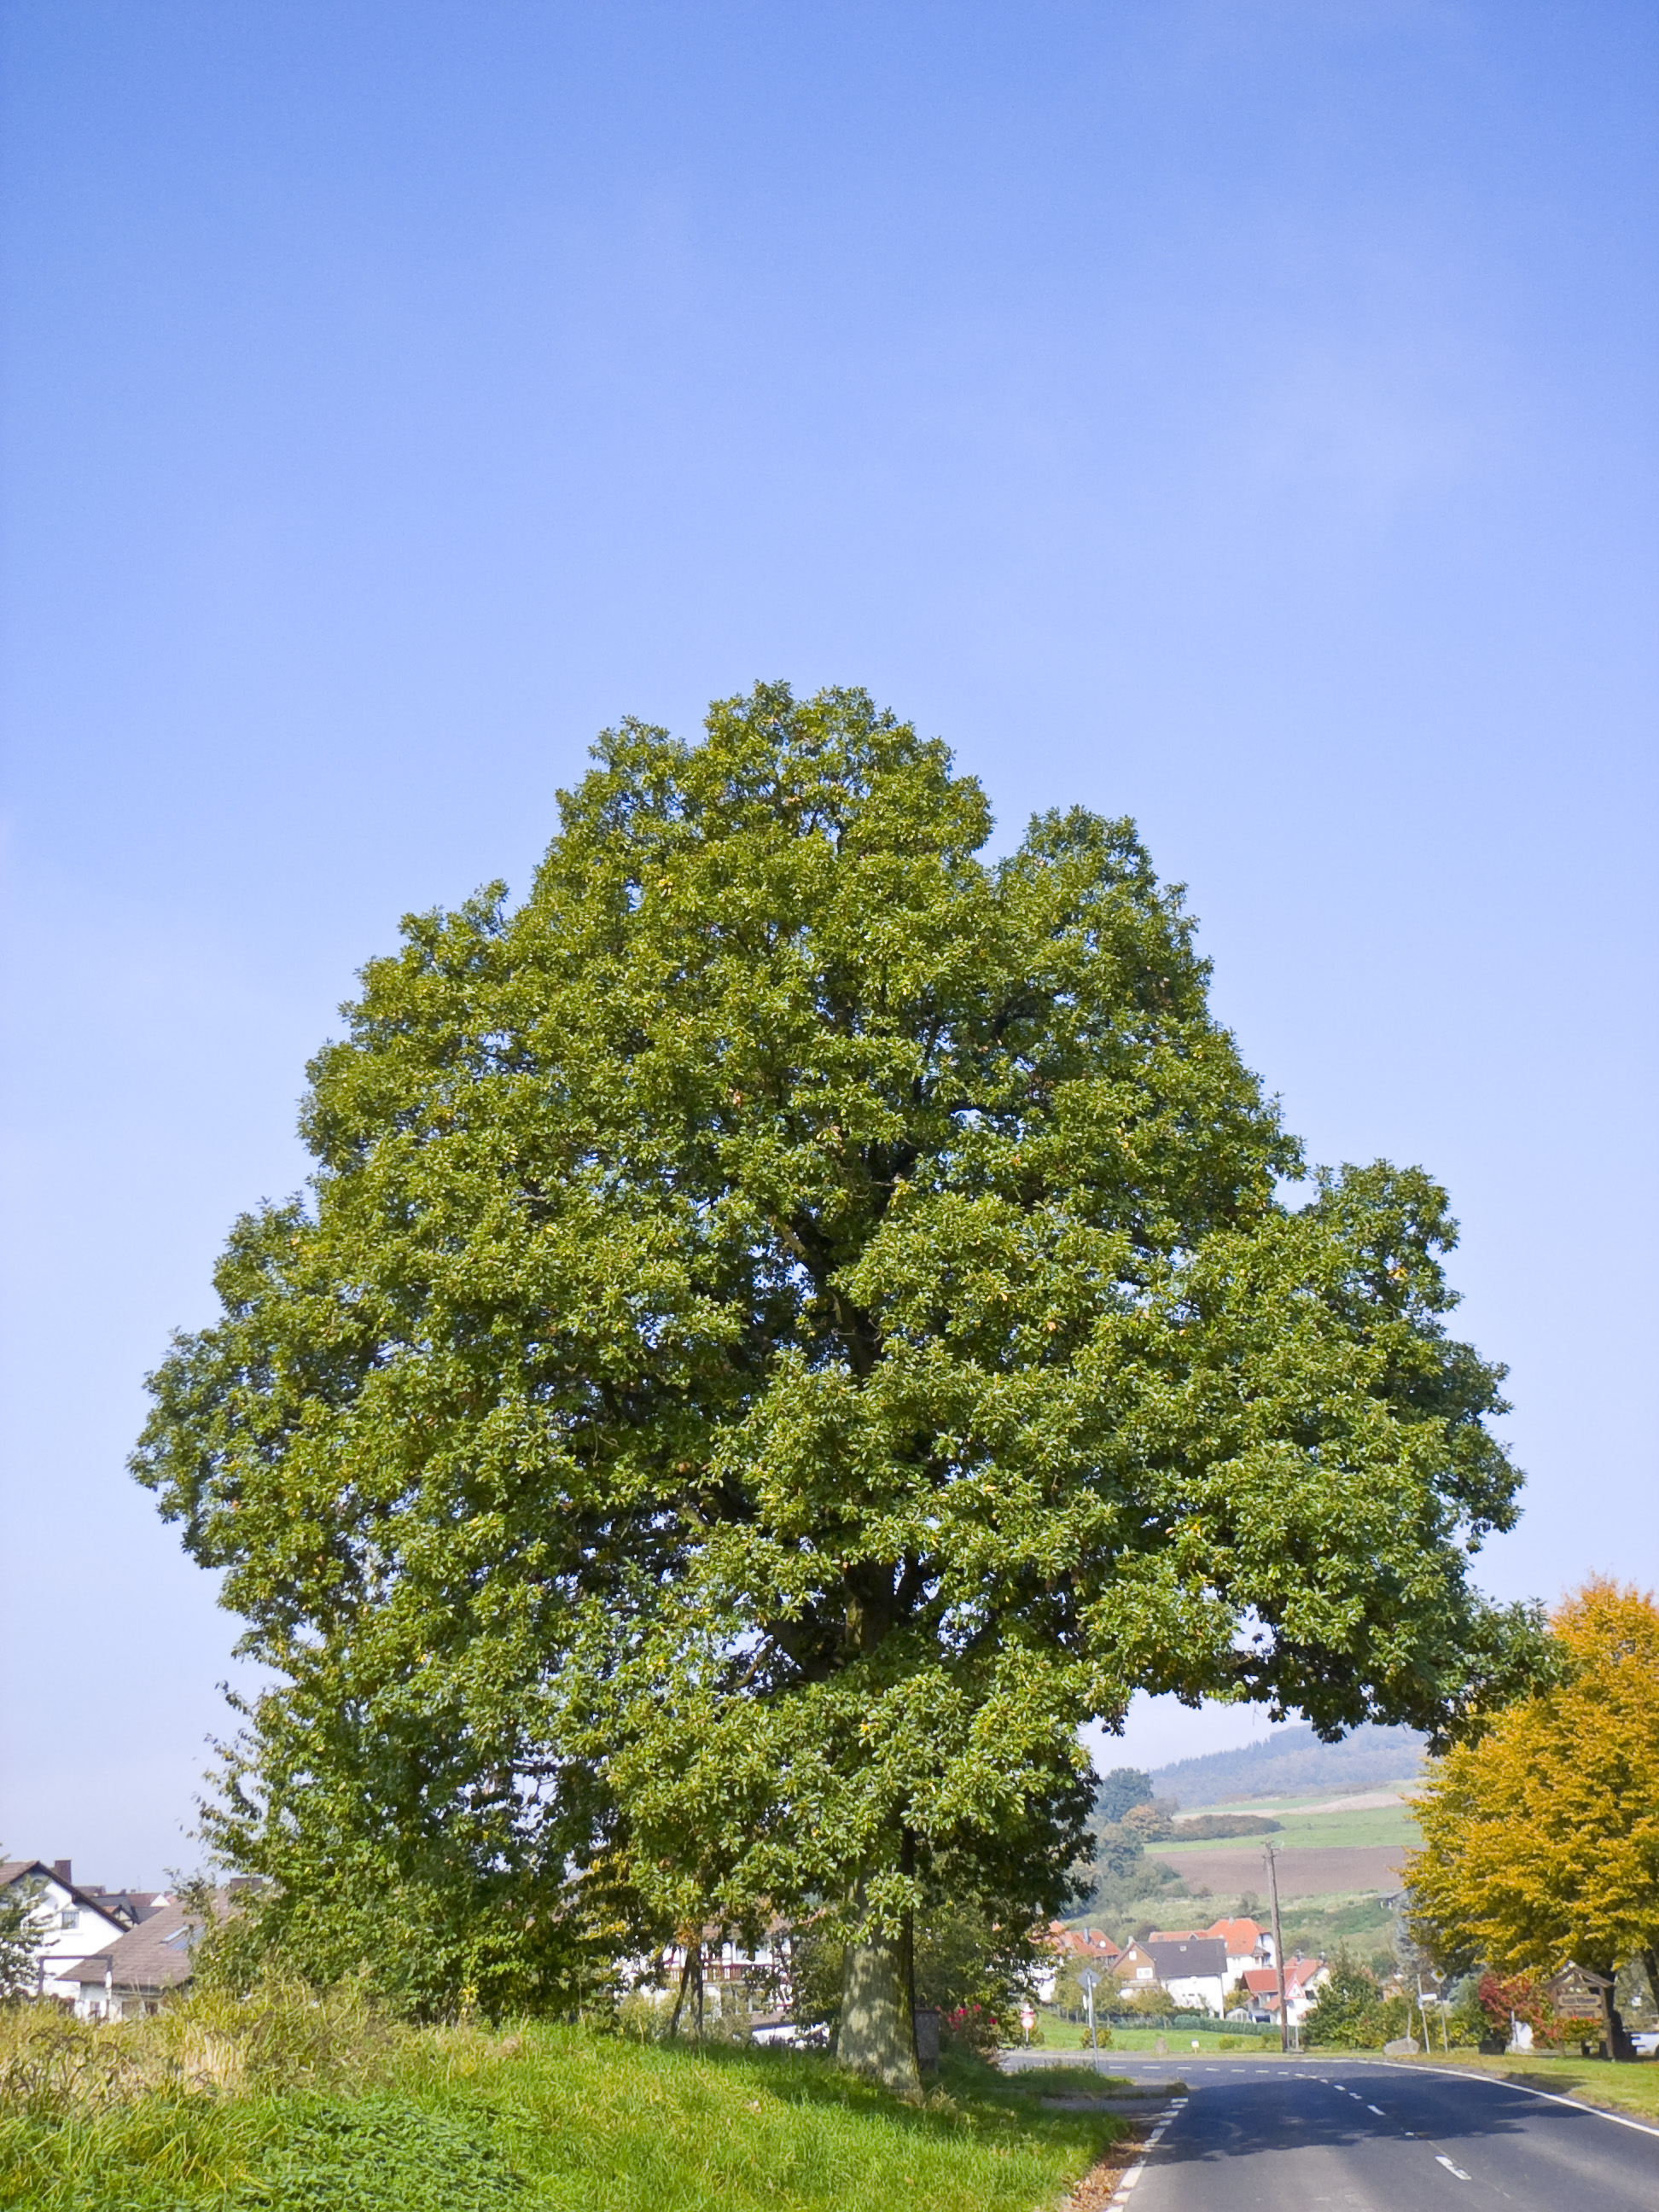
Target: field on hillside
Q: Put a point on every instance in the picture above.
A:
(1305, 1824)
(1338, 1852)
(465, 2120)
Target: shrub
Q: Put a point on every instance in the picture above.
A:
(972, 2027)
(1351, 2013)
(1503, 1998)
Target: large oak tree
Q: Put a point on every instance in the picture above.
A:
(787, 1323)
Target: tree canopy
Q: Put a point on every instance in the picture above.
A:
(1540, 1838)
(786, 1323)
(1119, 1791)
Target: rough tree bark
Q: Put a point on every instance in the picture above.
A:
(690, 1982)
(878, 2032)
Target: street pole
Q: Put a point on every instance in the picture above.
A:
(1087, 1979)
(1278, 1950)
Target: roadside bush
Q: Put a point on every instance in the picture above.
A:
(973, 2028)
(1503, 1998)
(1150, 1997)
(1351, 2013)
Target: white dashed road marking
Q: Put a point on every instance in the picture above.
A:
(1378, 2109)
(1121, 2197)
(1442, 2159)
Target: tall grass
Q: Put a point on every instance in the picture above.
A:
(295, 2104)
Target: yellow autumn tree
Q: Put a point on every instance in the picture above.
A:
(1542, 1839)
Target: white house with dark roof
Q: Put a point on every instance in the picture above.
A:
(1194, 1970)
(71, 1922)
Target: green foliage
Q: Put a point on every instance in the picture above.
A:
(1071, 2001)
(1149, 1999)
(1119, 1856)
(1151, 1824)
(963, 1959)
(20, 1940)
(459, 2120)
(788, 1323)
(1465, 2017)
(280, 2035)
(1209, 1828)
(1118, 1790)
(1350, 2012)
(385, 2155)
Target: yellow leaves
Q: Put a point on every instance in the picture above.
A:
(1542, 1839)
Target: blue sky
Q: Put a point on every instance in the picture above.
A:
(1240, 416)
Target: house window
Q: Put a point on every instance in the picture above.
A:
(69, 1917)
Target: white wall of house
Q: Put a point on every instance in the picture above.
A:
(70, 1930)
(1240, 1962)
(1198, 1993)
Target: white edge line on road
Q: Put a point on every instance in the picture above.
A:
(1550, 2096)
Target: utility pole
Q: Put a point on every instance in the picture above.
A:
(1278, 1950)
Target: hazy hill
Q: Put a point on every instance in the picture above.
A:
(1292, 1760)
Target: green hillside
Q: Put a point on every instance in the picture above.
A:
(1293, 1762)
(1303, 1827)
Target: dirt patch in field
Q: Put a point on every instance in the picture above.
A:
(1345, 1869)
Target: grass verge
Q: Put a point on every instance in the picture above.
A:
(467, 2120)
(1633, 2089)
(1061, 2035)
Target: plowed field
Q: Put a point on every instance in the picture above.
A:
(1232, 1869)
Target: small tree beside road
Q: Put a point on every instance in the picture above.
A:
(1542, 1837)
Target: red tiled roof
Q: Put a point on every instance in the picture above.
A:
(1264, 1980)
(1237, 1934)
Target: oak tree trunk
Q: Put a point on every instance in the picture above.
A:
(877, 2032)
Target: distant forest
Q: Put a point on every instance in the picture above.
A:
(1293, 1760)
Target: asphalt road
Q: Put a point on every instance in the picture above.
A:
(1267, 2135)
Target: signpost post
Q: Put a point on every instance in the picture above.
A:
(1088, 1981)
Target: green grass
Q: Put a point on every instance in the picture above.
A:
(1072, 2080)
(468, 2121)
(1306, 1829)
(1357, 1923)
(1632, 2089)
(1061, 2035)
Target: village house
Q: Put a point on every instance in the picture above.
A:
(132, 1976)
(1194, 1970)
(1074, 1946)
(1304, 1979)
(1134, 1969)
(1248, 1943)
(72, 1922)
